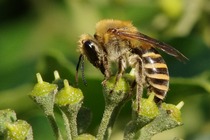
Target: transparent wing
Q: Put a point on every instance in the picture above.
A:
(146, 40)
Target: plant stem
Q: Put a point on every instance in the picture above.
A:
(67, 127)
(72, 117)
(107, 122)
(54, 126)
(115, 95)
(162, 122)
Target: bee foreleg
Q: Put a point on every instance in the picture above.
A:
(107, 72)
(121, 69)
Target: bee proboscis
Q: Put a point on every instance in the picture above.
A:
(119, 42)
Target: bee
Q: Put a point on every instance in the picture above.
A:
(121, 43)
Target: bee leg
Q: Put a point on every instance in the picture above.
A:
(139, 82)
(107, 76)
(158, 101)
(107, 73)
(121, 69)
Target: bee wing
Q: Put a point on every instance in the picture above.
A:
(150, 41)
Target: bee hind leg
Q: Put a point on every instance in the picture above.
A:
(139, 82)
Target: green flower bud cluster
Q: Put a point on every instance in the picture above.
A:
(148, 118)
(152, 119)
(60, 94)
(116, 94)
(13, 129)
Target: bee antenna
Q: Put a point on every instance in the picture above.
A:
(83, 74)
(77, 70)
(81, 59)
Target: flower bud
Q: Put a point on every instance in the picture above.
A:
(68, 95)
(6, 116)
(174, 111)
(69, 100)
(19, 130)
(43, 94)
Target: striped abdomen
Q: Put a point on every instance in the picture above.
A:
(156, 73)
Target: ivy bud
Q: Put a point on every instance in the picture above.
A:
(174, 111)
(148, 108)
(19, 130)
(6, 116)
(115, 92)
(68, 95)
(58, 81)
(169, 117)
(43, 94)
(69, 100)
(147, 113)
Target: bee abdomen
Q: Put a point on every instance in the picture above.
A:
(156, 73)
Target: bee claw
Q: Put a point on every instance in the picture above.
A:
(104, 82)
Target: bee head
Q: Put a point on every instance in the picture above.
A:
(91, 49)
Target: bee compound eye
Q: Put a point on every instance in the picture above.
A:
(89, 46)
(87, 43)
(90, 51)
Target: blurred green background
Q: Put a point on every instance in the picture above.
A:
(41, 36)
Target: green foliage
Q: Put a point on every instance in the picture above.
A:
(42, 36)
